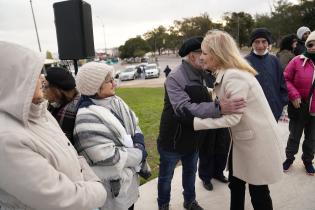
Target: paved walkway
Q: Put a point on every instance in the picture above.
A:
(296, 191)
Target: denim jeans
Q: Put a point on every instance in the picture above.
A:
(168, 161)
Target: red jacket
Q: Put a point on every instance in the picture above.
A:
(299, 75)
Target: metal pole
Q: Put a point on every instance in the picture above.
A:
(103, 26)
(40, 49)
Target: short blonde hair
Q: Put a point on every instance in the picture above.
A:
(222, 46)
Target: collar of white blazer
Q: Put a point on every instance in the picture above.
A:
(218, 77)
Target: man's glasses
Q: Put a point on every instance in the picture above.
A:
(310, 45)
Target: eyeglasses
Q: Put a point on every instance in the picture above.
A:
(310, 45)
(110, 80)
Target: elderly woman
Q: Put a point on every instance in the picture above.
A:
(256, 146)
(107, 133)
(40, 169)
(299, 76)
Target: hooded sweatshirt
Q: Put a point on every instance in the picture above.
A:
(39, 168)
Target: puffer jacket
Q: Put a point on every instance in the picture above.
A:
(299, 75)
(39, 168)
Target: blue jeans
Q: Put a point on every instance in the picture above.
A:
(168, 161)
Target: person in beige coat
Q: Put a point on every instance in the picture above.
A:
(257, 153)
(39, 168)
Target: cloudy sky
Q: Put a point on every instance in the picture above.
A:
(122, 19)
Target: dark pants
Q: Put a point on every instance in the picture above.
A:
(296, 128)
(213, 154)
(260, 194)
(131, 207)
(168, 161)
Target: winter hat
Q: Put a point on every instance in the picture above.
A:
(191, 44)
(60, 78)
(301, 31)
(310, 38)
(287, 41)
(91, 76)
(260, 33)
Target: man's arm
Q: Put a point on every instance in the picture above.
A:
(180, 99)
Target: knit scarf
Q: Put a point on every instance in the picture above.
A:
(310, 56)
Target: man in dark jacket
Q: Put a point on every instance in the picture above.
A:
(302, 34)
(185, 90)
(270, 73)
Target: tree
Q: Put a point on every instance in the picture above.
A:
(239, 25)
(173, 39)
(134, 47)
(194, 26)
(307, 11)
(156, 39)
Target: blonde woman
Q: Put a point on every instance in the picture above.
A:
(257, 149)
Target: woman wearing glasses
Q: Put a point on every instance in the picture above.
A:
(299, 76)
(107, 133)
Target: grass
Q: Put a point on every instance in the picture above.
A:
(147, 103)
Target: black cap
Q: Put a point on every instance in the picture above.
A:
(60, 78)
(260, 33)
(191, 44)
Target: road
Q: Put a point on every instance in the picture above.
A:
(170, 60)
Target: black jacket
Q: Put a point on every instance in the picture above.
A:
(300, 47)
(186, 86)
(175, 136)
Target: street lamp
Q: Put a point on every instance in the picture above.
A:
(103, 26)
(35, 27)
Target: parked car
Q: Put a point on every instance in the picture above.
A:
(152, 71)
(129, 73)
(116, 74)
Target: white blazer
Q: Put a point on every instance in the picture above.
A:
(258, 152)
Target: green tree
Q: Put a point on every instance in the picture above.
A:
(173, 39)
(307, 11)
(134, 47)
(286, 18)
(239, 25)
(156, 39)
(194, 26)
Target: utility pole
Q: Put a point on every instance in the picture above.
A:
(38, 42)
(103, 26)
